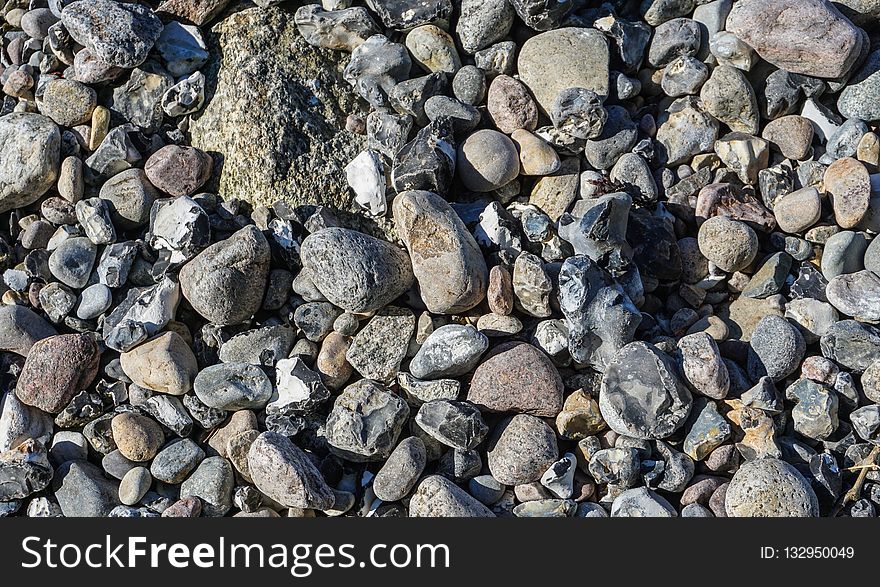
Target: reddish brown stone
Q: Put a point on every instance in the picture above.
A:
(500, 291)
(518, 378)
(188, 507)
(56, 369)
(179, 171)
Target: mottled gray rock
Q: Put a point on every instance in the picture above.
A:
(344, 29)
(32, 144)
(225, 282)
(401, 471)
(619, 466)
(378, 349)
(856, 294)
(68, 102)
(118, 34)
(684, 130)
(487, 160)
(212, 482)
(770, 488)
(455, 424)
(20, 328)
(815, 413)
(261, 346)
(641, 502)
(176, 460)
(256, 92)
(728, 96)
(233, 387)
(376, 66)
(283, 472)
(641, 394)
(129, 196)
(355, 271)
(730, 244)
(449, 351)
(708, 431)
(852, 344)
(483, 22)
(365, 422)
(82, 491)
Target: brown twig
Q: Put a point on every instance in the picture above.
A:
(855, 491)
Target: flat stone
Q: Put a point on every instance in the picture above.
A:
(856, 294)
(165, 364)
(401, 471)
(233, 386)
(378, 349)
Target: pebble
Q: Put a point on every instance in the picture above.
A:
(487, 160)
(233, 387)
(68, 102)
(56, 369)
(776, 349)
(378, 349)
(284, 473)
(770, 488)
(83, 492)
(849, 189)
(401, 471)
(521, 449)
(446, 261)
(728, 96)
(641, 502)
(33, 143)
(843, 253)
(436, 497)
(856, 294)
(799, 210)
(729, 244)
(163, 363)
(356, 272)
(455, 424)
(176, 460)
(792, 135)
(211, 482)
(21, 328)
(134, 485)
(482, 23)
(178, 171)
(449, 351)
(365, 422)
(120, 35)
(641, 394)
(137, 437)
(517, 378)
(433, 49)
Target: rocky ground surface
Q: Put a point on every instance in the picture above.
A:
(440, 258)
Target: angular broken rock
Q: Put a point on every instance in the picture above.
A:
(298, 389)
(641, 395)
(455, 424)
(365, 422)
(378, 349)
(345, 29)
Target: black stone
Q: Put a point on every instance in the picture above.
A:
(428, 161)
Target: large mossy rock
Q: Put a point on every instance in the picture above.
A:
(275, 113)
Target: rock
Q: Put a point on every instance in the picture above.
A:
(866, 423)
(375, 67)
(182, 48)
(365, 422)
(843, 253)
(510, 106)
(849, 188)
(302, 156)
(683, 130)
(417, 391)
(354, 271)
(433, 49)
(815, 414)
(135, 485)
(858, 99)
(487, 160)
(185, 97)
(776, 349)
(531, 285)
(770, 278)
(179, 226)
(517, 378)
(856, 294)
(129, 196)
(449, 351)
(618, 466)
(343, 29)
(176, 461)
(198, 13)
(744, 154)
(56, 369)
(401, 471)
(851, 344)
(178, 171)
(580, 417)
(730, 244)
(83, 492)
(521, 449)
(708, 431)
(641, 502)
(233, 387)
(483, 22)
(137, 437)
(284, 473)
(21, 328)
(641, 395)
(536, 156)
(118, 34)
(792, 135)
(702, 365)
(455, 424)
(728, 96)
(164, 364)
(446, 261)
(799, 210)
(554, 193)
(68, 102)
(564, 58)
(619, 135)
(683, 76)
(33, 144)
(378, 349)
(810, 38)
(770, 488)
(812, 317)
(24, 470)
(428, 161)
(211, 482)
(225, 282)
(672, 39)
(366, 176)
(435, 496)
